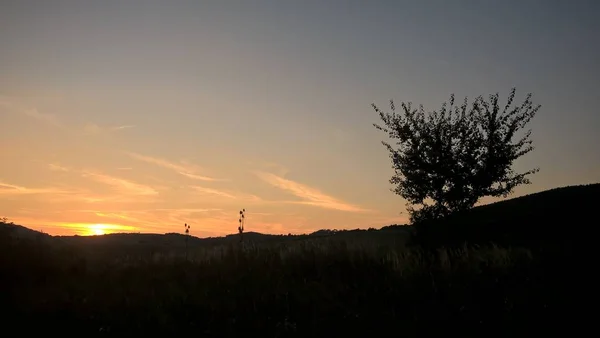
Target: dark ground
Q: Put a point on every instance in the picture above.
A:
(361, 283)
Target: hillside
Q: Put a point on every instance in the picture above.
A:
(119, 244)
(555, 217)
(529, 220)
(350, 283)
(8, 230)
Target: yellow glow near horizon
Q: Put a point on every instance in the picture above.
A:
(92, 229)
(97, 229)
(103, 229)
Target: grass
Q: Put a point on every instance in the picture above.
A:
(308, 288)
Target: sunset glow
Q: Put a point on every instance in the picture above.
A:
(87, 229)
(102, 229)
(125, 118)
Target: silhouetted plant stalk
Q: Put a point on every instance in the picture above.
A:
(187, 236)
(241, 226)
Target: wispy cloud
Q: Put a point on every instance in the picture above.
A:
(210, 191)
(125, 188)
(17, 107)
(58, 194)
(48, 118)
(186, 170)
(122, 185)
(94, 129)
(186, 210)
(57, 167)
(311, 196)
(11, 189)
(231, 195)
(128, 126)
(120, 216)
(269, 166)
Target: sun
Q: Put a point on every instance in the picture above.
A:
(97, 229)
(98, 232)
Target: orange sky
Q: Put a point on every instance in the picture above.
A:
(69, 179)
(117, 116)
(63, 178)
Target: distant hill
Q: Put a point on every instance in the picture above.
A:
(555, 217)
(20, 232)
(177, 242)
(143, 243)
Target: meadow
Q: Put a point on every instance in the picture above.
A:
(334, 285)
(503, 269)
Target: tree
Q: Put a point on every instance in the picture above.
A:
(445, 161)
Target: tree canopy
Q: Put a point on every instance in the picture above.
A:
(446, 160)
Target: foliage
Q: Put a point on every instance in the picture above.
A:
(446, 160)
(308, 288)
(353, 283)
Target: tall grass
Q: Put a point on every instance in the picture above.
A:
(306, 288)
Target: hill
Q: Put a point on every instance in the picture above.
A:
(534, 220)
(350, 283)
(20, 232)
(147, 244)
(553, 218)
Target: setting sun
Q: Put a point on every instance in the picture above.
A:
(96, 229)
(103, 229)
(93, 229)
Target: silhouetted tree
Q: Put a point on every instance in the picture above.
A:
(446, 160)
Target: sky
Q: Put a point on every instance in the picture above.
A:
(141, 116)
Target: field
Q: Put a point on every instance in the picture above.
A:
(309, 288)
(349, 284)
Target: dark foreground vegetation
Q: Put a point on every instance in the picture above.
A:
(364, 283)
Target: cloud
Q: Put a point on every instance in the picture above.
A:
(94, 129)
(126, 189)
(59, 195)
(209, 191)
(122, 185)
(229, 194)
(16, 106)
(48, 118)
(11, 189)
(113, 215)
(57, 167)
(186, 210)
(311, 196)
(186, 170)
(270, 166)
(122, 127)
